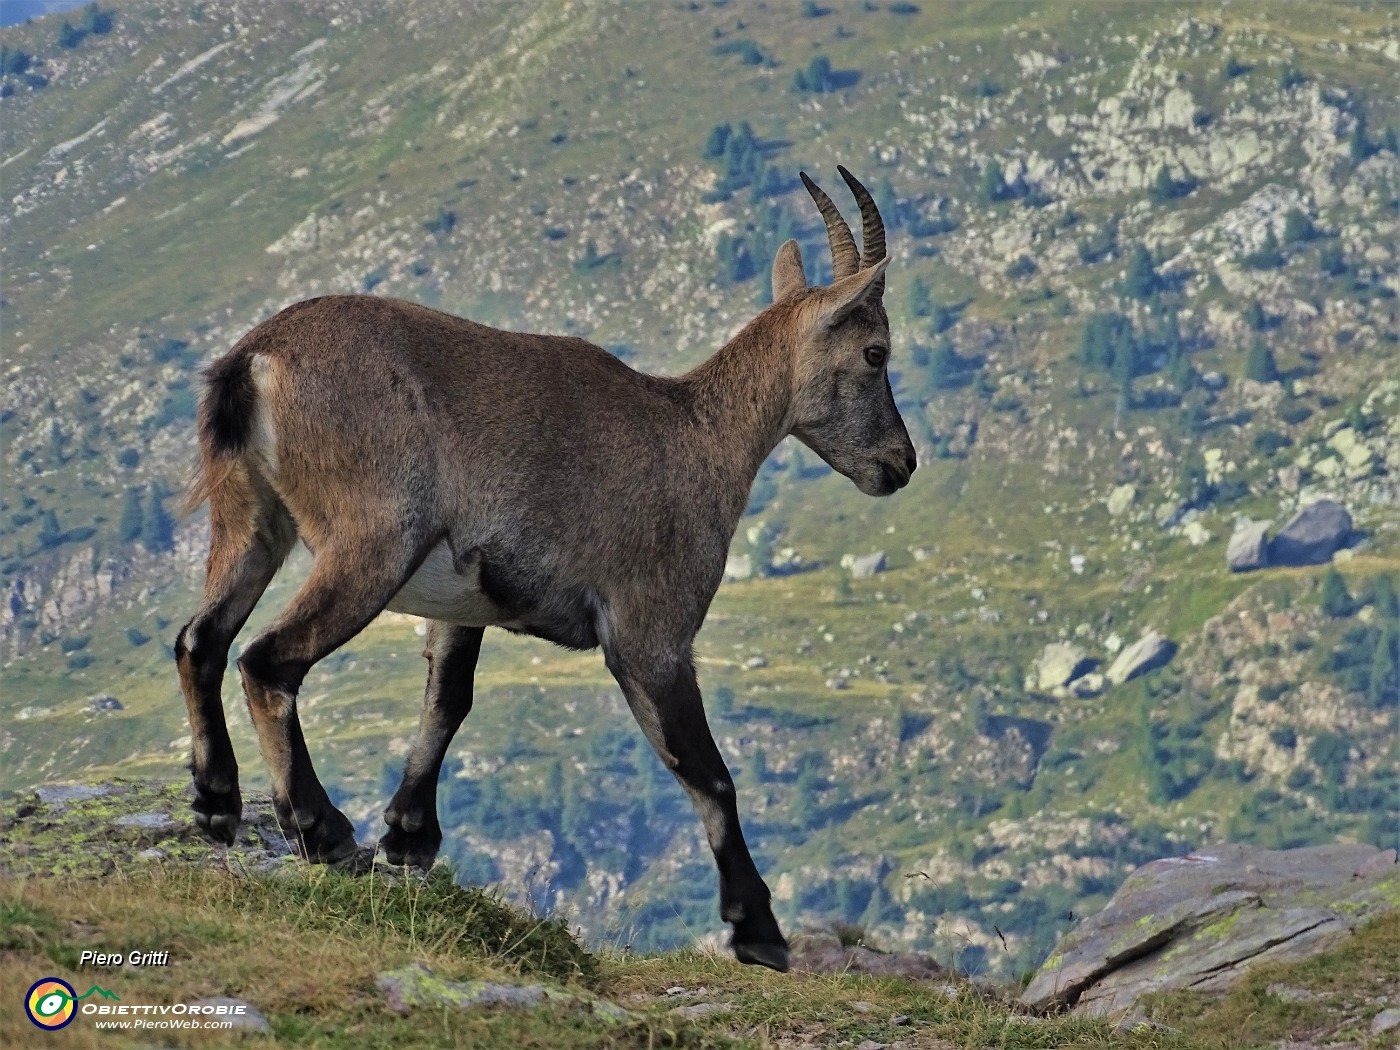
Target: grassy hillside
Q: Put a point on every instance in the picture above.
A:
(1137, 249)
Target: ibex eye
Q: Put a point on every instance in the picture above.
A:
(875, 356)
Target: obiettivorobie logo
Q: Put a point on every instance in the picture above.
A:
(52, 1003)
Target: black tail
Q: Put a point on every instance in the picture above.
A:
(226, 409)
(225, 422)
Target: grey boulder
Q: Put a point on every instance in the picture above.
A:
(1148, 653)
(1312, 536)
(1248, 548)
(1201, 921)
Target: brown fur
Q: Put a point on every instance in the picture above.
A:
(527, 481)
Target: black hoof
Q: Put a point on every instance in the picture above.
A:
(323, 837)
(759, 942)
(217, 813)
(417, 848)
(774, 956)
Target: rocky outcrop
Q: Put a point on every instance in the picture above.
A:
(1202, 920)
(866, 565)
(1312, 536)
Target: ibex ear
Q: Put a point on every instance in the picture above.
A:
(788, 274)
(845, 295)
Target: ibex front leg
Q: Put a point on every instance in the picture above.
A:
(414, 834)
(665, 700)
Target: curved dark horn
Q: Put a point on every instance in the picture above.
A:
(845, 259)
(872, 228)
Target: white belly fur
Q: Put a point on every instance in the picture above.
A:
(438, 591)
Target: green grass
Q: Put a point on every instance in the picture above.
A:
(305, 949)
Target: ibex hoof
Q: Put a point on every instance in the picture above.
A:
(774, 956)
(324, 837)
(411, 840)
(217, 813)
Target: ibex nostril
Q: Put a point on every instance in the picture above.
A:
(911, 461)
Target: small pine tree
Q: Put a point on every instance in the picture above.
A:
(1333, 596)
(1297, 227)
(133, 516)
(1269, 256)
(158, 530)
(1331, 260)
(1141, 281)
(69, 37)
(1383, 687)
(1290, 76)
(1385, 599)
(1359, 144)
(1255, 317)
(1260, 365)
(96, 20)
(1164, 187)
(50, 532)
(992, 188)
(719, 138)
(920, 299)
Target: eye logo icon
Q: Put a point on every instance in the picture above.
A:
(51, 1003)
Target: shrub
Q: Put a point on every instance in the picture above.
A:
(1260, 365)
(992, 187)
(1142, 281)
(441, 223)
(986, 88)
(158, 528)
(1297, 227)
(717, 140)
(817, 77)
(1333, 596)
(1255, 317)
(1268, 256)
(1294, 413)
(96, 21)
(1166, 189)
(133, 516)
(1234, 68)
(1290, 76)
(1267, 442)
(1383, 687)
(13, 61)
(1331, 260)
(68, 36)
(1021, 266)
(1285, 737)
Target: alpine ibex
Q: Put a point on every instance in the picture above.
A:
(482, 478)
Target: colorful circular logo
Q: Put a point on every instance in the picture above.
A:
(51, 1004)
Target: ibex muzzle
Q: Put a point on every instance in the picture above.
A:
(482, 478)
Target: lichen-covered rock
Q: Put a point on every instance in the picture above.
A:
(417, 986)
(867, 565)
(1202, 920)
(1312, 536)
(1059, 664)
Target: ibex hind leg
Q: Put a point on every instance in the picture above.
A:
(414, 834)
(349, 585)
(250, 535)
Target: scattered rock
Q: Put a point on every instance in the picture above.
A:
(1290, 995)
(1087, 687)
(1201, 921)
(1386, 1021)
(103, 703)
(1148, 653)
(738, 567)
(1059, 664)
(415, 985)
(1248, 548)
(243, 1016)
(61, 794)
(1196, 534)
(1120, 499)
(755, 663)
(1312, 536)
(824, 953)
(699, 1010)
(867, 565)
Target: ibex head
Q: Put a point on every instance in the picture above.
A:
(844, 410)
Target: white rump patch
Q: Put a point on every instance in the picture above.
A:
(264, 438)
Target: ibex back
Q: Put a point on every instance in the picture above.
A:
(482, 478)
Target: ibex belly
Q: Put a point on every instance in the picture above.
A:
(444, 589)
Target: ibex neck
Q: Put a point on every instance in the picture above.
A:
(742, 396)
